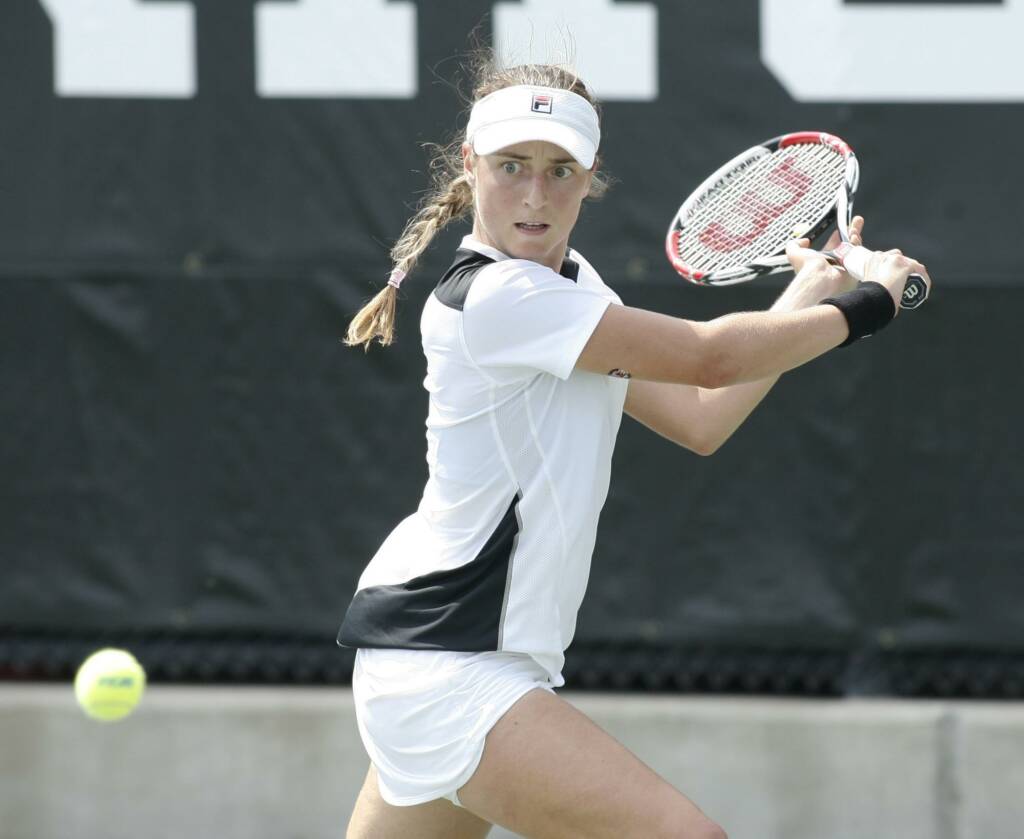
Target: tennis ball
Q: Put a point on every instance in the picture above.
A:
(109, 684)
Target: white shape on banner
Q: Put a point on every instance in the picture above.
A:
(353, 49)
(120, 48)
(826, 51)
(615, 44)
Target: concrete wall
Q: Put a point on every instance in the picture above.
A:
(259, 763)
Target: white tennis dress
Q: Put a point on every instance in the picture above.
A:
(472, 600)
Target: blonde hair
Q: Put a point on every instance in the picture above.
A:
(451, 196)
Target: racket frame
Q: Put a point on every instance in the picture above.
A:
(777, 262)
(852, 257)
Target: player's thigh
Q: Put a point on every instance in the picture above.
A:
(549, 771)
(374, 818)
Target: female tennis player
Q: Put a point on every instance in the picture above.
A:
(462, 617)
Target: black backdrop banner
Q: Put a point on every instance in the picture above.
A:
(189, 450)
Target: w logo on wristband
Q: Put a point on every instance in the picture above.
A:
(915, 292)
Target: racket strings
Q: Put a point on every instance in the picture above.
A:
(750, 214)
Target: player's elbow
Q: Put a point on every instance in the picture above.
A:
(707, 440)
(688, 828)
(718, 365)
(705, 447)
(717, 369)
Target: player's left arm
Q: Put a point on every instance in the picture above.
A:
(701, 419)
(696, 418)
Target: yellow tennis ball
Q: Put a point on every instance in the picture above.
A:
(109, 684)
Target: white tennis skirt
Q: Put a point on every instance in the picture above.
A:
(423, 714)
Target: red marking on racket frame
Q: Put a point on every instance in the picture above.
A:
(819, 137)
(717, 238)
(672, 252)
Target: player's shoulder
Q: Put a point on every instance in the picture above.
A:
(574, 255)
(513, 276)
(587, 277)
(455, 284)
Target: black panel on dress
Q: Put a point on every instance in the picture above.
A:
(454, 286)
(455, 609)
(570, 269)
(457, 280)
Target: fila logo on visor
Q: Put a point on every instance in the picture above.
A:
(541, 103)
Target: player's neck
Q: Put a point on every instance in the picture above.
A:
(549, 257)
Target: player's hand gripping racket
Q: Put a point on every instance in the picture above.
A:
(735, 225)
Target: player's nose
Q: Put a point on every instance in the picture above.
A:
(536, 194)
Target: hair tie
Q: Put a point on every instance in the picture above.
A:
(397, 275)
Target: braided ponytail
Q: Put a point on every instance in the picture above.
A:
(451, 199)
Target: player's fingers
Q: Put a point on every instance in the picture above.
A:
(896, 251)
(802, 258)
(919, 268)
(857, 230)
(794, 253)
(798, 251)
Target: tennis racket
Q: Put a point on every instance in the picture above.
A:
(735, 226)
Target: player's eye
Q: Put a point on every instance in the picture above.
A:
(563, 172)
(510, 167)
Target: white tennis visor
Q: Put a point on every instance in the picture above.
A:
(524, 112)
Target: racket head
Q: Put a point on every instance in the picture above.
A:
(734, 227)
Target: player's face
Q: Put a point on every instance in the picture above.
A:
(526, 199)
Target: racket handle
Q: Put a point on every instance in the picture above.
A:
(854, 259)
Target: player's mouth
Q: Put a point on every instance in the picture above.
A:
(532, 228)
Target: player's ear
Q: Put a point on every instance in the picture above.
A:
(468, 161)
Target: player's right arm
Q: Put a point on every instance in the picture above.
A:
(729, 350)
(736, 348)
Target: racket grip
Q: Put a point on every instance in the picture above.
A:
(854, 258)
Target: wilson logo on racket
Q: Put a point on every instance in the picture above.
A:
(541, 103)
(756, 210)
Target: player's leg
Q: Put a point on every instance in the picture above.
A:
(374, 818)
(549, 772)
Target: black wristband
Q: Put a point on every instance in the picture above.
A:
(867, 309)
